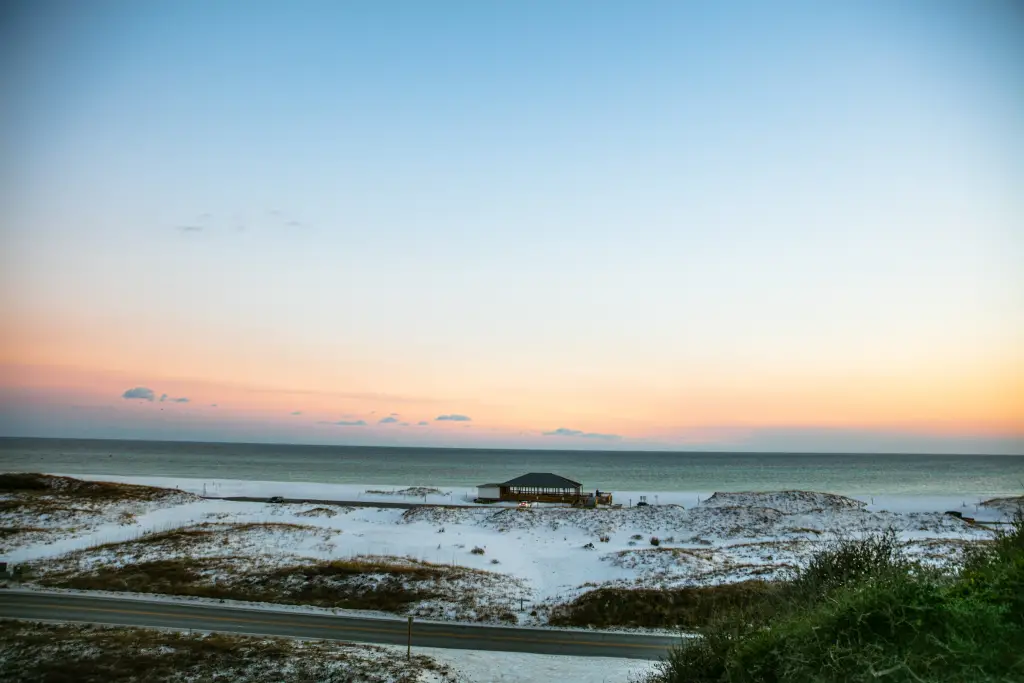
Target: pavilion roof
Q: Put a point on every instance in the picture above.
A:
(542, 480)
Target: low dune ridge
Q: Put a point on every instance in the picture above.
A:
(1008, 505)
(786, 502)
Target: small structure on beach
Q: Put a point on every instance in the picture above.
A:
(488, 492)
(540, 487)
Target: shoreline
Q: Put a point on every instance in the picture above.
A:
(216, 488)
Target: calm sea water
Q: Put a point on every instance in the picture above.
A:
(851, 474)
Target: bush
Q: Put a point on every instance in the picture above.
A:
(994, 574)
(861, 611)
(637, 537)
(477, 550)
(655, 540)
(604, 539)
(23, 481)
(658, 608)
(851, 560)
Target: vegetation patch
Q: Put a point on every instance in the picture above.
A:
(864, 610)
(31, 483)
(417, 491)
(38, 507)
(389, 584)
(33, 652)
(317, 512)
(653, 608)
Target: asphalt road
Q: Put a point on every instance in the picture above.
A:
(203, 617)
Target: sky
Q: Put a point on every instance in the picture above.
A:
(781, 226)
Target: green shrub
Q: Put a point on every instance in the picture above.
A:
(994, 573)
(860, 611)
(850, 560)
(660, 608)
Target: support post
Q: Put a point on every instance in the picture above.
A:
(408, 651)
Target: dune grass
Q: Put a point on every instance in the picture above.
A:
(33, 653)
(317, 583)
(862, 611)
(658, 608)
(31, 484)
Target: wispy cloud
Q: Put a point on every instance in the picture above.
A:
(422, 423)
(562, 431)
(355, 396)
(452, 418)
(140, 393)
(403, 424)
(213, 405)
(349, 423)
(165, 397)
(296, 412)
(387, 420)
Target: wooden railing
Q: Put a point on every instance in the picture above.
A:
(544, 497)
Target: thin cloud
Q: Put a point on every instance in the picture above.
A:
(213, 405)
(395, 415)
(454, 417)
(296, 412)
(355, 396)
(403, 424)
(386, 420)
(349, 423)
(139, 393)
(562, 431)
(422, 423)
(163, 397)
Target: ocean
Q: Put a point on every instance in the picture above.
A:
(974, 476)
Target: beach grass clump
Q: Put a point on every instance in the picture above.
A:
(689, 607)
(846, 561)
(861, 611)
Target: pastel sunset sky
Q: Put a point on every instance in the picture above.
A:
(548, 224)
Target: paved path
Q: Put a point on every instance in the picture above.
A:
(205, 617)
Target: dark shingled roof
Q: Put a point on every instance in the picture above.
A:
(543, 480)
(487, 486)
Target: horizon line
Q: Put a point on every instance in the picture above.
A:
(494, 449)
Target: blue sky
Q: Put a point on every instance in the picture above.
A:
(653, 220)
